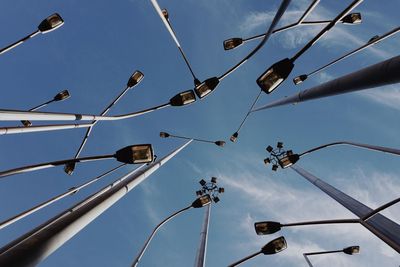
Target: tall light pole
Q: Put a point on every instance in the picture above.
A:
(278, 72)
(36, 245)
(374, 40)
(379, 74)
(49, 24)
(134, 80)
(349, 251)
(236, 42)
(180, 99)
(207, 188)
(200, 202)
(134, 154)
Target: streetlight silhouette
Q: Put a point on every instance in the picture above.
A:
(273, 247)
(163, 14)
(36, 245)
(374, 40)
(133, 154)
(63, 95)
(213, 190)
(286, 158)
(349, 251)
(353, 18)
(134, 80)
(380, 74)
(181, 99)
(218, 143)
(208, 86)
(200, 202)
(278, 72)
(47, 25)
(52, 200)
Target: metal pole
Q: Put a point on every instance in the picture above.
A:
(36, 245)
(202, 249)
(11, 46)
(146, 244)
(245, 259)
(382, 227)
(41, 128)
(307, 260)
(380, 74)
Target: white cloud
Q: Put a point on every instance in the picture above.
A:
(388, 96)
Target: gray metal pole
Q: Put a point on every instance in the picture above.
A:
(36, 245)
(41, 128)
(307, 260)
(202, 249)
(380, 74)
(384, 228)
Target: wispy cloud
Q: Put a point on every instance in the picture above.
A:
(388, 96)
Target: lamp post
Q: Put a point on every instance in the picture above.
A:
(349, 251)
(350, 19)
(211, 189)
(164, 15)
(286, 158)
(63, 95)
(278, 72)
(200, 202)
(374, 40)
(208, 86)
(49, 24)
(134, 154)
(380, 74)
(218, 143)
(134, 80)
(36, 245)
(52, 200)
(273, 247)
(181, 99)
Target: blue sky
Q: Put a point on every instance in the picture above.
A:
(93, 55)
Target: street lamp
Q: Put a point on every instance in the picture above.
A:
(164, 15)
(278, 72)
(273, 247)
(47, 25)
(200, 202)
(374, 40)
(206, 87)
(133, 154)
(349, 251)
(181, 99)
(63, 95)
(286, 158)
(69, 192)
(213, 190)
(353, 18)
(134, 79)
(218, 143)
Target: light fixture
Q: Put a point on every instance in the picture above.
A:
(51, 23)
(183, 98)
(232, 43)
(275, 246)
(202, 201)
(275, 75)
(267, 227)
(135, 79)
(206, 87)
(352, 18)
(135, 154)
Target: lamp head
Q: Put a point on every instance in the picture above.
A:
(206, 87)
(232, 43)
(164, 134)
(274, 246)
(69, 168)
(135, 79)
(202, 201)
(220, 143)
(135, 154)
(352, 18)
(288, 160)
(51, 23)
(275, 75)
(267, 227)
(62, 96)
(164, 11)
(352, 250)
(234, 137)
(300, 79)
(183, 98)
